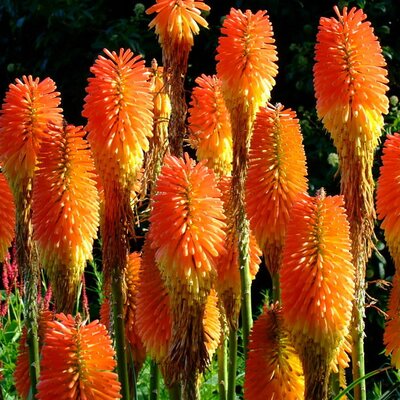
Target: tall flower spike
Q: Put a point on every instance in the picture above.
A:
(387, 195)
(187, 231)
(273, 367)
(77, 361)
(7, 217)
(29, 106)
(246, 58)
(119, 110)
(350, 87)
(65, 210)
(246, 66)
(276, 178)
(209, 125)
(175, 24)
(317, 286)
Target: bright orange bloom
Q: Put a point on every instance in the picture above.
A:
(132, 281)
(317, 286)
(209, 125)
(317, 276)
(7, 217)
(276, 178)
(65, 210)
(22, 373)
(388, 194)
(273, 368)
(177, 21)
(29, 106)
(77, 362)
(187, 232)
(246, 57)
(118, 107)
(350, 81)
(228, 281)
(391, 335)
(153, 312)
(187, 228)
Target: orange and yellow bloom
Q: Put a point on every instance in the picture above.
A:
(77, 361)
(246, 59)
(65, 210)
(209, 125)
(276, 178)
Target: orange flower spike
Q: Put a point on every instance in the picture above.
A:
(77, 362)
(153, 313)
(177, 21)
(65, 210)
(388, 194)
(350, 79)
(273, 368)
(209, 125)
(29, 106)
(118, 107)
(132, 280)
(316, 264)
(247, 58)
(7, 217)
(276, 178)
(187, 224)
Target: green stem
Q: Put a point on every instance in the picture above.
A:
(119, 335)
(232, 364)
(174, 391)
(190, 389)
(31, 273)
(358, 356)
(334, 381)
(276, 291)
(222, 369)
(154, 381)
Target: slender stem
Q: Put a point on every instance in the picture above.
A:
(358, 356)
(154, 381)
(334, 381)
(174, 391)
(31, 273)
(222, 369)
(190, 389)
(276, 291)
(119, 335)
(232, 364)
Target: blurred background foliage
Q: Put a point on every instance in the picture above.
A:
(62, 38)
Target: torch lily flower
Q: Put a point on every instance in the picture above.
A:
(187, 233)
(77, 361)
(209, 125)
(316, 264)
(276, 178)
(65, 210)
